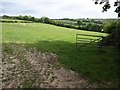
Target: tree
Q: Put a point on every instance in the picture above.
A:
(20, 17)
(79, 23)
(114, 34)
(113, 28)
(47, 20)
(5, 16)
(107, 5)
(43, 19)
(25, 17)
(32, 19)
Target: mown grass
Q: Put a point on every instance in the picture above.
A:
(96, 64)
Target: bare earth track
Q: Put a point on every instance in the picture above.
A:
(29, 68)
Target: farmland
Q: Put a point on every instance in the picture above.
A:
(98, 65)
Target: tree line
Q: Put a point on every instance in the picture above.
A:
(80, 24)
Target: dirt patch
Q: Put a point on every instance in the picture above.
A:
(29, 69)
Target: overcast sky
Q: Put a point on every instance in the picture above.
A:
(56, 8)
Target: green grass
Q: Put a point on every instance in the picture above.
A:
(10, 20)
(39, 32)
(94, 63)
(14, 20)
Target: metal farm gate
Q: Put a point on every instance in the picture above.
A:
(84, 40)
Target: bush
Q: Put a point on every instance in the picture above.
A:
(113, 28)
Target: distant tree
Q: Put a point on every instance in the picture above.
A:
(36, 20)
(92, 20)
(32, 19)
(107, 5)
(43, 19)
(25, 17)
(39, 20)
(51, 21)
(46, 20)
(5, 16)
(20, 17)
(65, 19)
(79, 23)
(89, 26)
(29, 17)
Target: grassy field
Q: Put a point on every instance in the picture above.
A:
(96, 64)
(14, 21)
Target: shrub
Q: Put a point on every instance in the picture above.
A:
(113, 28)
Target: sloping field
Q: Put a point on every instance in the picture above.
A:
(33, 32)
(95, 64)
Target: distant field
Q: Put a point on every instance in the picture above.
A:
(14, 21)
(96, 64)
(10, 20)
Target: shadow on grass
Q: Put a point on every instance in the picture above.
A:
(96, 64)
